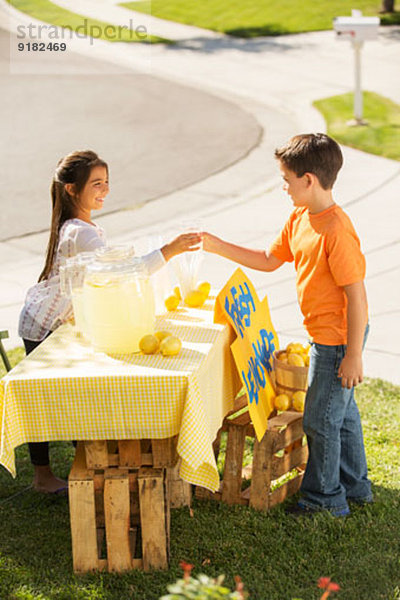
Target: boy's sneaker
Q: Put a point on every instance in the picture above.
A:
(360, 501)
(339, 512)
(301, 510)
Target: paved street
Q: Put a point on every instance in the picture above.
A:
(141, 124)
(273, 81)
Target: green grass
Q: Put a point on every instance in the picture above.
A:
(246, 18)
(380, 136)
(278, 557)
(46, 11)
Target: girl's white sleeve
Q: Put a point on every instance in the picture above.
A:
(154, 261)
(88, 240)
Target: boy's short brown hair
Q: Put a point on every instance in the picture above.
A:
(315, 153)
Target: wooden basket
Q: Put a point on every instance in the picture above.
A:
(288, 378)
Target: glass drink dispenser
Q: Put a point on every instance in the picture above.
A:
(118, 301)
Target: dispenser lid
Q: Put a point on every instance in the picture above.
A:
(116, 259)
(114, 254)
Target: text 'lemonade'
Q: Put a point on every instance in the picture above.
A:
(118, 303)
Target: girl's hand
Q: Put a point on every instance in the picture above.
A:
(186, 242)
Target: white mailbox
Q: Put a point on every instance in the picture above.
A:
(356, 29)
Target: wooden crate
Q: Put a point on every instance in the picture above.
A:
(119, 504)
(280, 451)
(131, 453)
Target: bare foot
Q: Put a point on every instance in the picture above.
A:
(46, 482)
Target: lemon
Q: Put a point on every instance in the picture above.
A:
(171, 303)
(160, 335)
(298, 400)
(283, 357)
(177, 292)
(170, 346)
(149, 344)
(194, 299)
(294, 347)
(282, 402)
(204, 287)
(296, 360)
(307, 361)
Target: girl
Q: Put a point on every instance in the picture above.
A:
(79, 186)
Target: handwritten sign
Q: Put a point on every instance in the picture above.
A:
(253, 349)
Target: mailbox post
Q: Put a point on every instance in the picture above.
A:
(357, 29)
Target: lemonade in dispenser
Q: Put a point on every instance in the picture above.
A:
(118, 301)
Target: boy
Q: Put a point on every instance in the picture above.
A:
(319, 237)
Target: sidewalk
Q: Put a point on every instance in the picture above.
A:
(275, 80)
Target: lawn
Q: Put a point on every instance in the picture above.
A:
(278, 557)
(380, 136)
(46, 11)
(246, 18)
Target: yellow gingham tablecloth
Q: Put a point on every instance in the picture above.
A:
(64, 390)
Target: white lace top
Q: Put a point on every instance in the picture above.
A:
(45, 306)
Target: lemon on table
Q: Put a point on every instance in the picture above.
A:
(149, 344)
(296, 360)
(282, 402)
(195, 299)
(177, 292)
(160, 335)
(172, 302)
(170, 346)
(204, 287)
(298, 400)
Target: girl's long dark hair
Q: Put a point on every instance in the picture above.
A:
(74, 168)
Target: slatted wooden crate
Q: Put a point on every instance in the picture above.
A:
(280, 451)
(119, 504)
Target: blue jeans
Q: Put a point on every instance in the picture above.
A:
(337, 468)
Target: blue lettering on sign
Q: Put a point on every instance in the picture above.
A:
(252, 390)
(241, 307)
(264, 349)
(260, 362)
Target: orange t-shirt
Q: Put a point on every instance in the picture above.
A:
(327, 256)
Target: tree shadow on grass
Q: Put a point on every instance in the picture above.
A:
(391, 19)
(260, 31)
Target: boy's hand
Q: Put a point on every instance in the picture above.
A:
(210, 242)
(186, 242)
(351, 370)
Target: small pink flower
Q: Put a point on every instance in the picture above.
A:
(187, 568)
(333, 587)
(330, 586)
(239, 585)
